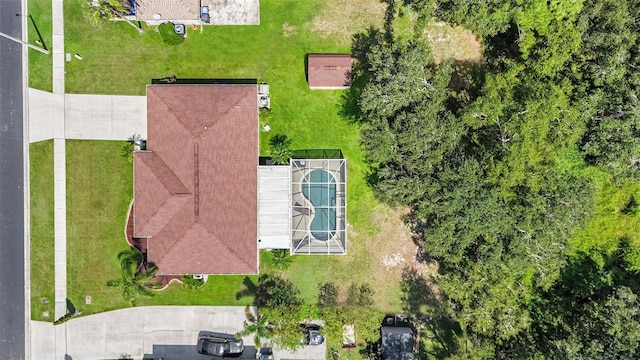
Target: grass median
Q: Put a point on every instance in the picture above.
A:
(41, 239)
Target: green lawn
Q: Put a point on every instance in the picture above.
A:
(42, 245)
(40, 65)
(99, 190)
(225, 290)
(119, 60)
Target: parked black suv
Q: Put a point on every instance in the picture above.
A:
(312, 336)
(218, 344)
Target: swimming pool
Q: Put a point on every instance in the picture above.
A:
(319, 188)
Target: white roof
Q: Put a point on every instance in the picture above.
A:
(274, 210)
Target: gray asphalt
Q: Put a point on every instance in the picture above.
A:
(12, 304)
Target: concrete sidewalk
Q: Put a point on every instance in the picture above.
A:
(59, 162)
(134, 332)
(87, 117)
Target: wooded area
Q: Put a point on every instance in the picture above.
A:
(501, 163)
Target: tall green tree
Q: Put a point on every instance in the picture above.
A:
(104, 10)
(286, 322)
(534, 22)
(258, 326)
(400, 76)
(590, 312)
(275, 291)
(135, 281)
(606, 77)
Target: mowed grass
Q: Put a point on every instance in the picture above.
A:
(223, 290)
(41, 218)
(99, 190)
(40, 65)
(119, 60)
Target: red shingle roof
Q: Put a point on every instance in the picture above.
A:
(329, 71)
(196, 186)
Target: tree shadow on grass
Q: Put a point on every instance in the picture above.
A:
(361, 44)
(250, 289)
(440, 331)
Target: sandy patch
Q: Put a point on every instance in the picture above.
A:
(289, 30)
(450, 42)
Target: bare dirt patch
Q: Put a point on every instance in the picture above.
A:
(289, 30)
(382, 258)
(343, 18)
(455, 43)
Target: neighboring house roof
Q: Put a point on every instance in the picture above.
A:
(397, 343)
(168, 9)
(329, 71)
(196, 185)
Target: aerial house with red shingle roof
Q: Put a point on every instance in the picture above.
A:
(329, 71)
(196, 185)
(204, 205)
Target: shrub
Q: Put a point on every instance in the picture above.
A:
(189, 282)
(360, 295)
(279, 149)
(327, 294)
(280, 259)
(168, 35)
(274, 291)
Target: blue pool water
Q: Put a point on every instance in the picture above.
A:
(320, 190)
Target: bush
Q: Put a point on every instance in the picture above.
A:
(280, 259)
(274, 291)
(168, 35)
(189, 282)
(360, 295)
(327, 294)
(279, 149)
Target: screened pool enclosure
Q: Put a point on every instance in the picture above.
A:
(318, 200)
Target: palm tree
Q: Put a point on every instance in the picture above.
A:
(108, 10)
(258, 326)
(280, 152)
(135, 282)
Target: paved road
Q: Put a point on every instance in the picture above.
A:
(12, 304)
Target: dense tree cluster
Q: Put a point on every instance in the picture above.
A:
(496, 181)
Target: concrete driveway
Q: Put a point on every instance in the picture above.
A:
(87, 117)
(317, 352)
(153, 332)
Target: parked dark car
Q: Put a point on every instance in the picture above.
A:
(218, 344)
(265, 354)
(312, 336)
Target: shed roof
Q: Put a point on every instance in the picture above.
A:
(329, 71)
(196, 185)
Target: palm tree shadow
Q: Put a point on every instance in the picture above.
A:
(71, 309)
(250, 288)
